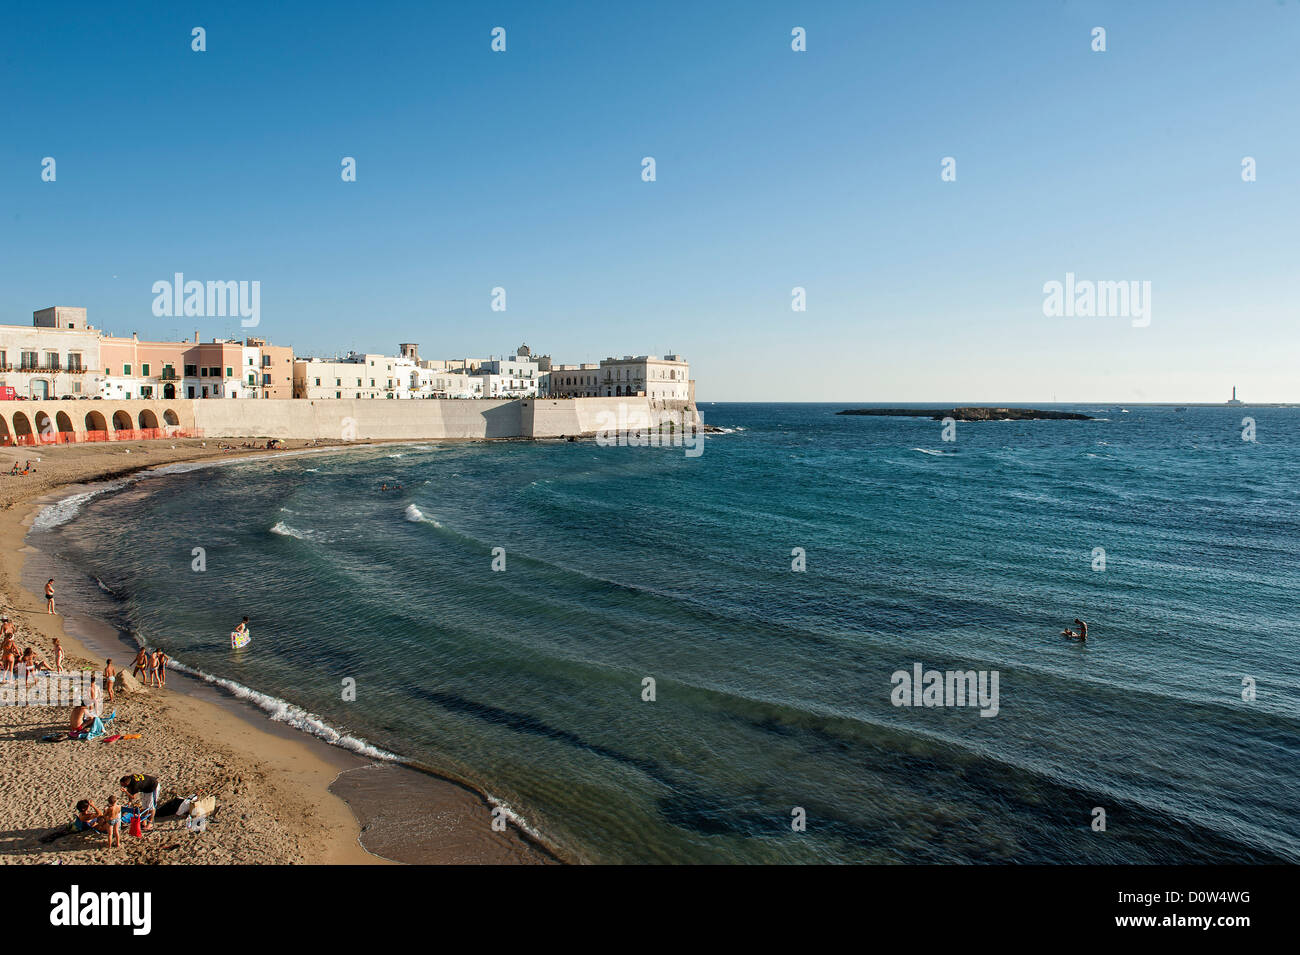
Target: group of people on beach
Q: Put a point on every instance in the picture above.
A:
(150, 666)
(14, 664)
(27, 468)
(141, 792)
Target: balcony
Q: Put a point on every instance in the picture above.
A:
(43, 369)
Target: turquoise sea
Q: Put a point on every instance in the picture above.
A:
(772, 686)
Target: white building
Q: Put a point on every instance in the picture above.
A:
(57, 355)
(665, 378)
(515, 376)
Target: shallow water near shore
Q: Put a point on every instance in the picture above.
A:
(772, 686)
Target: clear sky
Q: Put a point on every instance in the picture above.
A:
(775, 169)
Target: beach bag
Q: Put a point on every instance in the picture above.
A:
(203, 807)
(136, 829)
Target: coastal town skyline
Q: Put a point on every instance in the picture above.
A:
(918, 205)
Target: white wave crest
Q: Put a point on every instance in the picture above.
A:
(283, 529)
(62, 511)
(416, 516)
(282, 711)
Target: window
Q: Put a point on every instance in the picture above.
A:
(230, 372)
(126, 373)
(266, 379)
(338, 394)
(358, 394)
(146, 391)
(266, 361)
(191, 371)
(338, 382)
(204, 371)
(190, 390)
(144, 369)
(317, 382)
(74, 361)
(372, 382)
(52, 360)
(76, 387)
(252, 379)
(250, 359)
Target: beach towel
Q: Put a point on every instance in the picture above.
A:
(132, 736)
(111, 739)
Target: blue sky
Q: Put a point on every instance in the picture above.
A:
(775, 169)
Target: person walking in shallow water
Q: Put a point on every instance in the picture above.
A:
(49, 595)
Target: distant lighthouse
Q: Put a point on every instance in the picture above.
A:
(1234, 402)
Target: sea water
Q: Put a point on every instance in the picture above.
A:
(651, 657)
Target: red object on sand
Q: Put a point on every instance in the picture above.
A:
(135, 827)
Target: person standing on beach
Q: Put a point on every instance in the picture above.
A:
(110, 672)
(58, 656)
(113, 816)
(7, 627)
(49, 595)
(141, 666)
(162, 667)
(8, 657)
(153, 668)
(146, 788)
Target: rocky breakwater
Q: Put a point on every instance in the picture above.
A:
(971, 414)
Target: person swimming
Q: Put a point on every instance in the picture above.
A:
(1081, 634)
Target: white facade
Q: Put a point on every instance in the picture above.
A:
(660, 378)
(50, 361)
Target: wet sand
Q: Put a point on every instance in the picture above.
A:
(283, 796)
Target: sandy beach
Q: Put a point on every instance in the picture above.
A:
(283, 797)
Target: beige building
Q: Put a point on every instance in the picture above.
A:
(574, 381)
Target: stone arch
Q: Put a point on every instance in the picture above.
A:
(121, 421)
(44, 425)
(64, 422)
(22, 426)
(5, 436)
(171, 418)
(148, 419)
(95, 422)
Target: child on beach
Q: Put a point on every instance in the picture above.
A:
(162, 667)
(153, 668)
(114, 819)
(141, 666)
(58, 655)
(110, 672)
